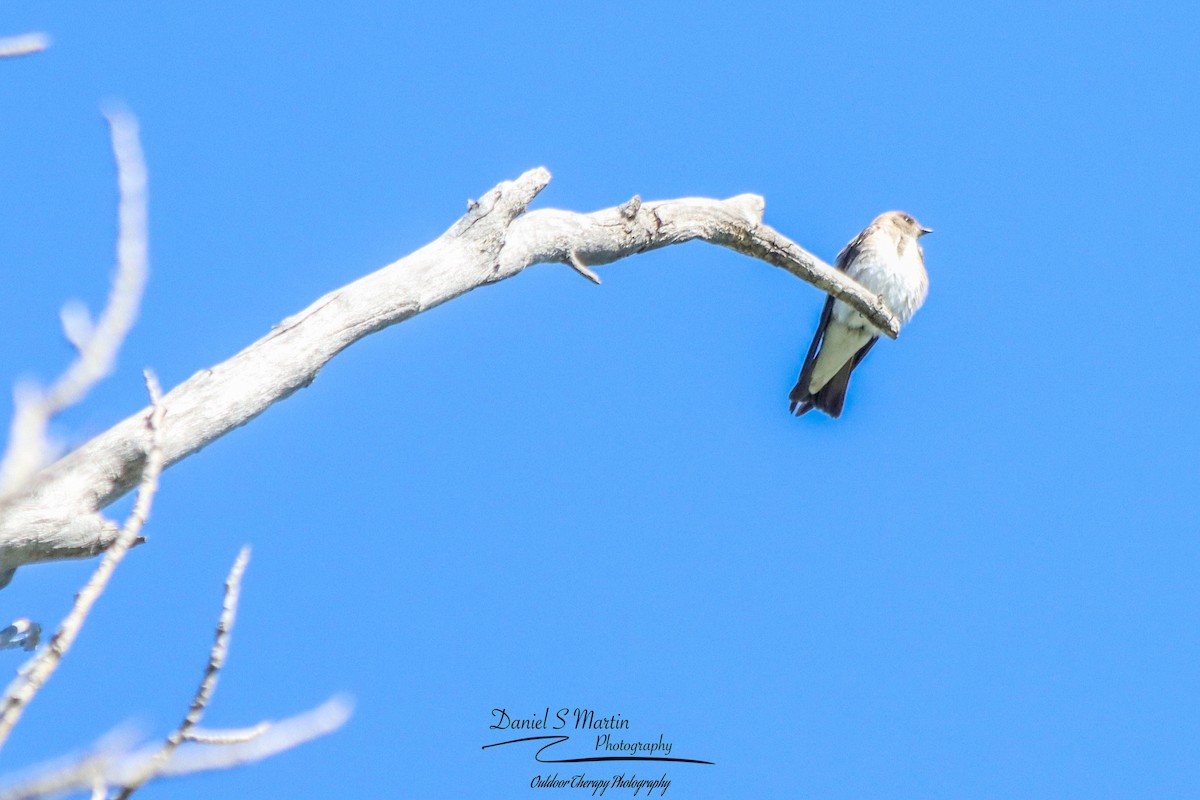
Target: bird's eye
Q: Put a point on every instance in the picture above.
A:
(908, 219)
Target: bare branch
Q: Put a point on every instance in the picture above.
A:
(219, 651)
(208, 684)
(187, 749)
(494, 240)
(34, 674)
(280, 737)
(63, 776)
(24, 45)
(111, 765)
(551, 235)
(28, 448)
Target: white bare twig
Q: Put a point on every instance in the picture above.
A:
(112, 765)
(228, 736)
(24, 45)
(188, 749)
(29, 449)
(208, 684)
(34, 674)
(280, 737)
(82, 773)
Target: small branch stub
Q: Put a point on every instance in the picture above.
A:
(630, 208)
(578, 265)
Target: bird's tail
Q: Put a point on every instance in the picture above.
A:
(829, 399)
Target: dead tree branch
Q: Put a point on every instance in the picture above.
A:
(59, 516)
(112, 763)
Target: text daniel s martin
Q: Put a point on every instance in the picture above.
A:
(583, 718)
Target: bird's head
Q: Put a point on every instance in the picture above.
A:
(904, 223)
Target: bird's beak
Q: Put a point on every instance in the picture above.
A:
(924, 231)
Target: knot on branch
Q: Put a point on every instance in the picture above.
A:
(630, 208)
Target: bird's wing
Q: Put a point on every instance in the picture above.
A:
(800, 394)
(802, 400)
(851, 251)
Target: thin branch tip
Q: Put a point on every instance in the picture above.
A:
(227, 737)
(24, 45)
(152, 386)
(538, 175)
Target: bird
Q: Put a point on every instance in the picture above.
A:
(886, 259)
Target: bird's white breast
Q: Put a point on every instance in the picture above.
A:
(900, 279)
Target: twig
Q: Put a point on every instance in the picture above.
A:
(34, 674)
(111, 765)
(233, 736)
(81, 774)
(28, 448)
(282, 736)
(208, 684)
(188, 749)
(24, 45)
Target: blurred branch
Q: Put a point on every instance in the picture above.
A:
(188, 749)
(34, 674)
(208, 684)
(24, 45)
(28, 447)
(111, 764)
(496, 239)
(230, 736)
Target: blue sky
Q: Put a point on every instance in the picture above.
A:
(980, 582)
